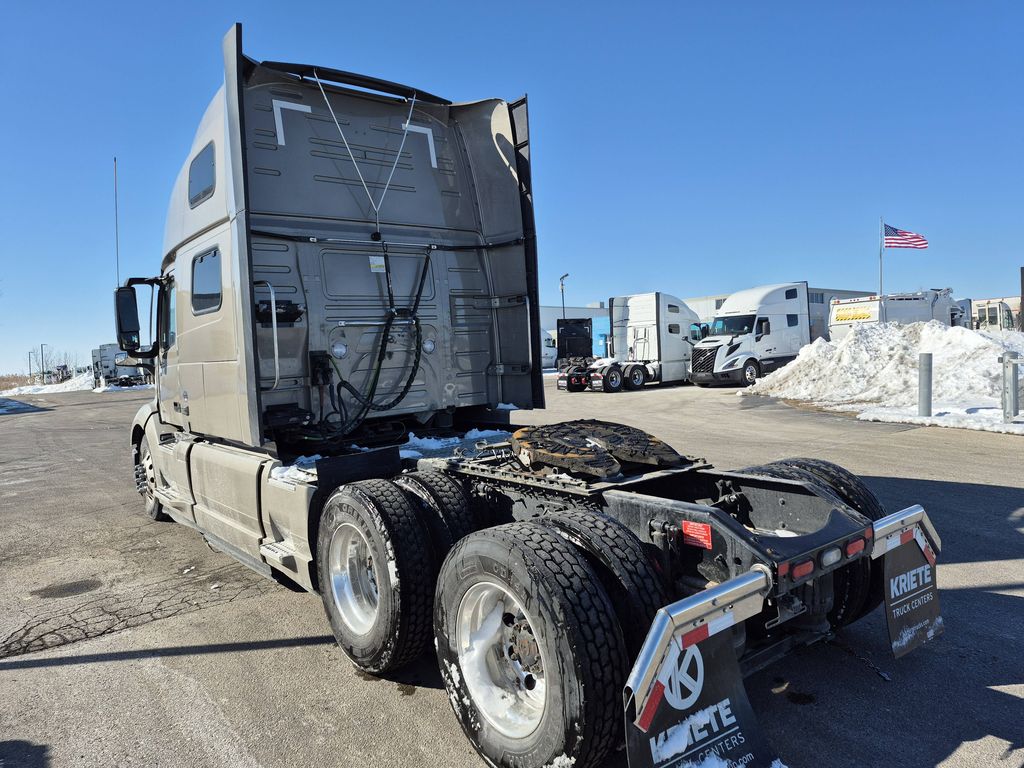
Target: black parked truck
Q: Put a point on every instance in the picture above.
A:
(349, 259)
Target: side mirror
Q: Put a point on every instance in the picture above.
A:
(705, 329)
(120, 358)
(126, 309)
(129, 326)
(764, 328)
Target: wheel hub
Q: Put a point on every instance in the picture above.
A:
(353, 579)
(501, 660)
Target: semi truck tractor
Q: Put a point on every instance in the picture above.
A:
(347, 259)
(651, 340)
(755, 332)
(108, 368)
(921, 307)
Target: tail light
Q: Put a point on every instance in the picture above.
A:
(803, 569)
(854, 547)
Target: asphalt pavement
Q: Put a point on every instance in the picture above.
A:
(126, 642)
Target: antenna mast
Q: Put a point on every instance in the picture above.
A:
(117, 243)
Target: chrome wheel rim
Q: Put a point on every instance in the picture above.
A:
(750, 372)
(501, 660)
(614, 378)
(638, 377)
(353, 579)
(150, 473)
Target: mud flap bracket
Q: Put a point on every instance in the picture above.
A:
(684, 699)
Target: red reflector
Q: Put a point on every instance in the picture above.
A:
(869, 533)
(783, 569)
(855, 546)
(802, 569)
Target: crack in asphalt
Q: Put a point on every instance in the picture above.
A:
(111, 612)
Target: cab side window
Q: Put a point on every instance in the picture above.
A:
(206, 290)
(169, 321)
(202, 178)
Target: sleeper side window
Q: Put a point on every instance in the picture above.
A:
(792, 321)
(791, 293)
(206, 290)
(673, 328)
(201, 176)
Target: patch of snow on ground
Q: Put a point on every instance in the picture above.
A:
(79, 383)
(115, 388)
(873, 372)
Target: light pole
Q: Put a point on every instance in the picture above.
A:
(561, 287)
(42, 364)
(30, 353)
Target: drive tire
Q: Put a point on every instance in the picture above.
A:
(443, 507)
(635, 377)
(751, 373)
(144, 463)
(626, 572)
(570, 619)
(856, 494)
(402, 567)
(613, 380)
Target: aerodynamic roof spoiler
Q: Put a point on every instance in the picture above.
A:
(350, 78)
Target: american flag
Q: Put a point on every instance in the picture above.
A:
(900, 238)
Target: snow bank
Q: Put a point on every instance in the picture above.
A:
(115, 388)
(79, 383)
(873, 372)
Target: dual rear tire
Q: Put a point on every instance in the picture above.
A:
(535, 623)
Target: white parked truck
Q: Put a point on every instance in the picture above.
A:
(348, 259)
(923, 306)
(652, 337)
(108, 369)
(754, 332)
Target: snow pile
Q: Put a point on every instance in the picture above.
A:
(115, 388)
(302, 470)
(417, 447)
(873, 371)
(79, 383)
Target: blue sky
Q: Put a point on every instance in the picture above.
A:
(688, 147)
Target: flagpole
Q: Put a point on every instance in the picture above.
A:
(881, 244)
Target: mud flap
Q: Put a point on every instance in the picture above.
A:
(685, 700)
(908, 542)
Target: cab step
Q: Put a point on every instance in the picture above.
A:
(278, 552)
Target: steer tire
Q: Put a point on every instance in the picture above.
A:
(144, 464)
(530, 572)
(751, 373)
(635, 377)
(443, 507)
(626, 572)
(402, 567)
(856, 494)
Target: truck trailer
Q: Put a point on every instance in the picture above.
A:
(903, 308)
(347, 259)
(652, 337)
